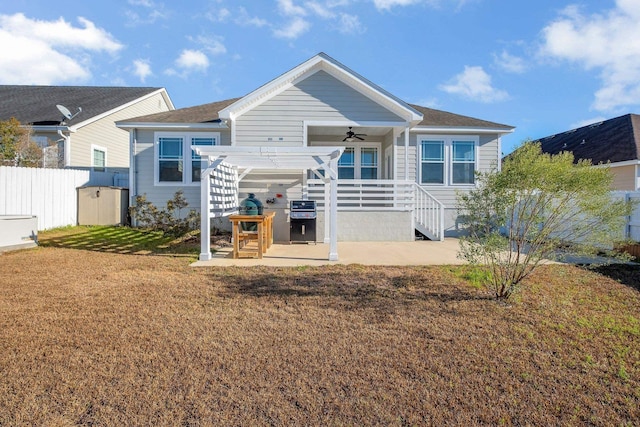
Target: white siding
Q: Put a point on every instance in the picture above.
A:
(104, 133)
(279, 120)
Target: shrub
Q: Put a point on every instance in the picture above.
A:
(168, 220)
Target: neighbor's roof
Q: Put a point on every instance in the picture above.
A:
(205, 113)
(208, 113)
(613, 140)
(36, 105)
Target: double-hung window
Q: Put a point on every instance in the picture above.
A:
(448, 160)
(173, 167)
(98, 158)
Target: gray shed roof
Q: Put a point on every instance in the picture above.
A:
(443, 118)
(36, 105)
(613, 140)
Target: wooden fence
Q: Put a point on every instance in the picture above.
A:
(49, 194)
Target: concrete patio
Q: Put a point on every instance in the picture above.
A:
(421, 252)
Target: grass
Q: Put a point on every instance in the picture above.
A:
(122, 240)
(104, 337)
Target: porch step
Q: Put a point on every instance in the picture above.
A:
(425, 232)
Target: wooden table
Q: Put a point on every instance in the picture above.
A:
(243, 241)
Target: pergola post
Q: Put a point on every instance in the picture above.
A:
(205, 215)
(333, 209)
(327, 204)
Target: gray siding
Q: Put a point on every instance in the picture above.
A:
(105, 134)
(145, 170)
(318, 97)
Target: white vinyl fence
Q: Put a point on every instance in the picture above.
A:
(632, 230)
(49, 194)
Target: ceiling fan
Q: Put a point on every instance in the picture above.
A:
(351, 135)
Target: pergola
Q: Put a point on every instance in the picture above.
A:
(270, 158)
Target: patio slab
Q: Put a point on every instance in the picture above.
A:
(421, 252)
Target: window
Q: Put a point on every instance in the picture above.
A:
(172, 166)
(359, 162)
(447, 160)
(432, 164)
(347, 164)
(98, 158)
(463, 163)
(196, 162)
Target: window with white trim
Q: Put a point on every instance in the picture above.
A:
(98, 158)
(173, 167)
(360, 161)
(448, 160)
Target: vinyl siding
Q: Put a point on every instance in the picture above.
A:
(145, 172)
(279, 120)
(624, 178)
(105, 134)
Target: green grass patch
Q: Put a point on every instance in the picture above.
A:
(122, 240)
(477, 276)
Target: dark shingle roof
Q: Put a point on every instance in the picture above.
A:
(613, 140)
(206, 113)
(36, 105)
(443, 118)
(209, 113)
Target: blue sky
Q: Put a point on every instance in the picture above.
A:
(545, 66)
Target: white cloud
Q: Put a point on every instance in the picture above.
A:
(212, 44)
(293, 30)
(389, 4)
(244, 19)
(287, 7)
(322, 10)
(474, 83)
(510, 63)
(608, 42)
(219, 15)
(192, 60)
(156, 12)
(142, 69)
(49, 52)
(350, 24)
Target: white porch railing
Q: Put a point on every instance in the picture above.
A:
(428, 214)
(385, 195)
(365, 194)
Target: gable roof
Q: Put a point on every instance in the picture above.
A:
(36, 105)
(439, 118)
(339, 71)
(613, 140)
(205, 113)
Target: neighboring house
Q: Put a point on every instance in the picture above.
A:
(89, 139)
(398, 171)
(615, 142)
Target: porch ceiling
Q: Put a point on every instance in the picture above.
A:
(342, 130)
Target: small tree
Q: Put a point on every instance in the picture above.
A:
(538, 207)
(16, 146)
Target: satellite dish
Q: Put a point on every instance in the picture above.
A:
(66, 113)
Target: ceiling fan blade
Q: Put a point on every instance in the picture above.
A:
(345, 138)
(361, 139)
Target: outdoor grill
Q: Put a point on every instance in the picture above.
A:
(302, 215)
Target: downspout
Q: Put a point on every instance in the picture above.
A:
(133, 145)
(67, 148)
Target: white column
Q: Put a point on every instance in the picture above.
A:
(333, 203)
(205, 215)
(327, 204)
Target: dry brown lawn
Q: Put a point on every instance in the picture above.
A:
(95, 338)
